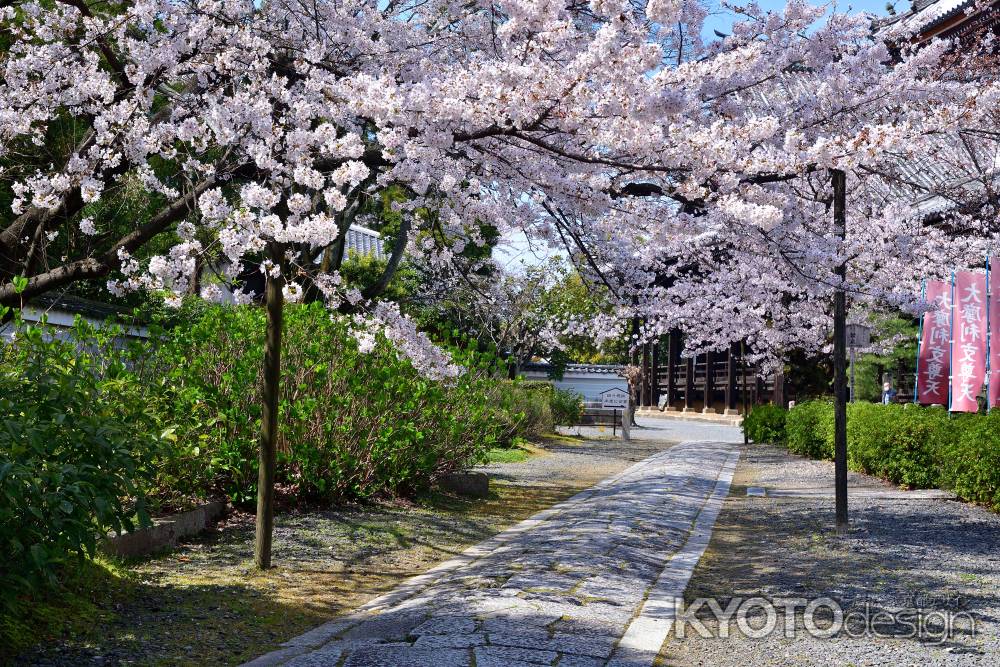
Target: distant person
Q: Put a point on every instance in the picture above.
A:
(888, 394)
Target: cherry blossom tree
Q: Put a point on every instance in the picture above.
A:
(689, 178)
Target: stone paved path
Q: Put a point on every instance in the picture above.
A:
(589, 582)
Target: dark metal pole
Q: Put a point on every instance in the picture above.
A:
(840, 355)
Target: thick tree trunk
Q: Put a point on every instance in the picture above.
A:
(840, 358)
(274, 302)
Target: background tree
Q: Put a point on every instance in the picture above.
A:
(257, 132)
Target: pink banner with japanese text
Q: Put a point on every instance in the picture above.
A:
(968, 351)
(994, 393)
(935, 346)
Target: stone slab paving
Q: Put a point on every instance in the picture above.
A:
(589, 582)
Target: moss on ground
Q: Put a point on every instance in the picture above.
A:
(516, 454)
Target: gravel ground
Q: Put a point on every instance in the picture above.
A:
(900, 555)
(204, 604)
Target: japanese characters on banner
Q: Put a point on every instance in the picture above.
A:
(935, 346)
(994, 378)
(968, 350)
(959, 347)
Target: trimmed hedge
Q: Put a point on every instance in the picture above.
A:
(900, 444)
(916, 447)
(765, 423)
(809, 429)
(970, 459)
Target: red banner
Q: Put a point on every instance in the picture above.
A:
(968, 352)
(994, 397)
(935, 346)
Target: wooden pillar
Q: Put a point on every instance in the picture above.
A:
(644, 393)
(673, 345)
(689, 385)
(731, 381)
(758, 387)
(654, 375)
(709, 383)
(744, 392)
(779, 389)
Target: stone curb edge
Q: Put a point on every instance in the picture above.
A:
(645, 635)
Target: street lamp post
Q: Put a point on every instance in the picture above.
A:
(839, 179)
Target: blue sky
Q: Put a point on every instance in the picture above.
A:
(721, 20)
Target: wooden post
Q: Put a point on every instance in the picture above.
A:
(654, 375)
(645, 384)
(672, 353)
(743, 372)
(779, 389)
(706, 407)
(688, 384)
(731, 381)
(274, 303)
(840, 357)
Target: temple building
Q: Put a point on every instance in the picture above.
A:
(960, 20)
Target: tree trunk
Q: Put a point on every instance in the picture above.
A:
(274, 303)
(840, 358)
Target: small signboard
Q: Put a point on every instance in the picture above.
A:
(614, 398)
(858, 335)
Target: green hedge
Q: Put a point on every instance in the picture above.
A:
(92, 432)
(970, 459)
(809, 429)
(908, 445)
(898, 443)
(765, 423)
(352, 424)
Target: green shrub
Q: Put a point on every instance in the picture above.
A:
(970, 458)
(917, 447)
(809, 429)
(901, 444)
(567, 407)
(527, 408)
(765, 423)
(351, 424)
(76, 448)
